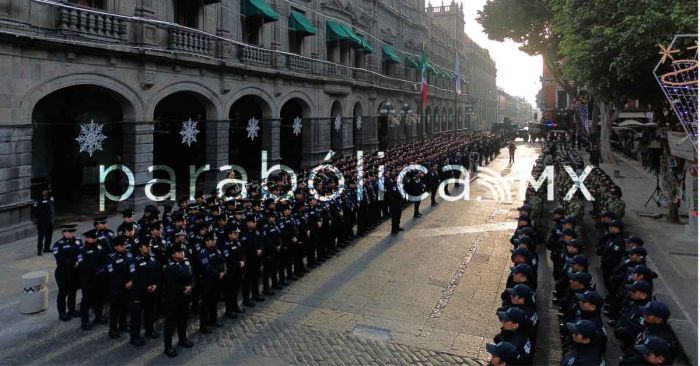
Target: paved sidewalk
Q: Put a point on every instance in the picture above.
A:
(673, 251)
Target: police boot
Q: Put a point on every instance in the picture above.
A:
(64, 317)
(152, 334)
(170, 352)
(185, 343)
(231, 315)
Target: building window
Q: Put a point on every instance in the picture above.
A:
(562, 99)
(253, 30)
(97, 4)
(359, 59)
(296, 42)
(187, 13)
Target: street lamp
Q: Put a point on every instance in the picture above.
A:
(387, 108)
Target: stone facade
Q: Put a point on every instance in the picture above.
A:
(143, 67)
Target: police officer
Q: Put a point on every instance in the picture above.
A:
(44, 213)
(120, 268)
(213, 272)
(395, 200)
(66, 252)
(252, 244)
(178, 283)
(235, 265)
(513, 323)
(503, 354)
(92, 263)
(104, 234)
(588, 347)
(271, 249)
(432, 181)
(146, 285)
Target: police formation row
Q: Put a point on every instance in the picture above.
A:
(637, 320)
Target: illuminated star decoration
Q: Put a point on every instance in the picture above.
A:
(666, 52)
(358, 122)
(253, 128)
(90, 137)
(297, 126)
(678, 80)
(337, 123)
(189, 132)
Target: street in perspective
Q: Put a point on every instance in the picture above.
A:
(349, 182)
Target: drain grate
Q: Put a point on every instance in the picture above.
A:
(368, 331)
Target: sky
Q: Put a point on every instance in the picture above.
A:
(518, 73)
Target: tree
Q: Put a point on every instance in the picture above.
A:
(610, 49)
(527, 23)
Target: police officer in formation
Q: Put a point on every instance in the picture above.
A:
(637, 321)
(182, 262)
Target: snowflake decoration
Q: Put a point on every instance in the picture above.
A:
(91, 137)
(189, 132)
(297, 126)
(253, 128)
(337, 123)
(358, 122)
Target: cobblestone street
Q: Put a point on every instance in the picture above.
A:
(426, 296)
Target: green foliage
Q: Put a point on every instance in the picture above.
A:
(610, 45)
(526, 23)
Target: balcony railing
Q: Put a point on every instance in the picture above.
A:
(298, 63)
(71, 20)
(185, 40)
(254, 55)
(336, 70)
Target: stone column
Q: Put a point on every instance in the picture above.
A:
(278, 60)
(137, 155)
(15, 182)
(271, 138)
(146, 33)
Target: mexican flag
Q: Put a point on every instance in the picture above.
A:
(424, 80)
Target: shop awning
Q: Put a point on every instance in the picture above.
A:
(412, 62)
(258, 7)
(299, 23)
(367, 47)
(390, 54)
(341, 32)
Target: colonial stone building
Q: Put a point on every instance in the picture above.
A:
(347, 70)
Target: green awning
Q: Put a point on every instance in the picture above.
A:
(299, 23)
(340, 32)
(367, 47)
(356, 40)
(390, 54)
(336, 32)
(258, 7)
(412, 63)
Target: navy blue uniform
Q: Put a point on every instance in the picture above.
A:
(67, 277)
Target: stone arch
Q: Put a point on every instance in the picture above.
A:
(170, 108)
(269, 107)
(57, 119)
(245, 149)
(293, 145)
(132, 105)
(202, 93)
